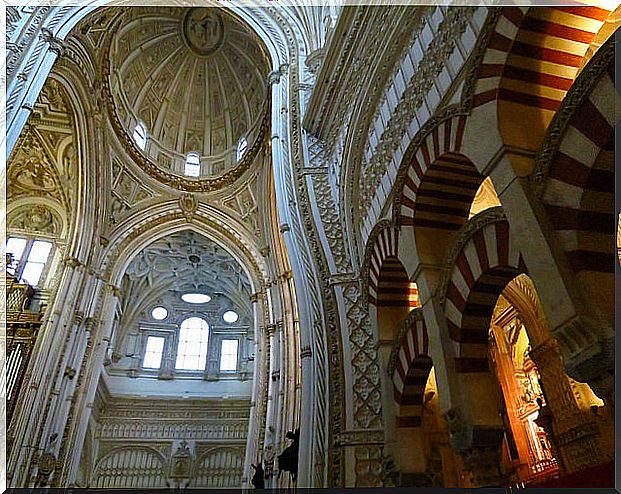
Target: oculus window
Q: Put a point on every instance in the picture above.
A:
(192, 348)
(230, 316)
(159, 313)
(195, 298)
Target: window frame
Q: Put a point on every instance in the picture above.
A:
(144, 351)
(144, 137)
(178, 344)
(224, 339)
(242, 148)
(23, 261)
(187, 162)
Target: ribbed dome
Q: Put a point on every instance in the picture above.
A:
(196, 78)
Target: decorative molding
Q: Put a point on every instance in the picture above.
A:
(433, 62)
(355, 438)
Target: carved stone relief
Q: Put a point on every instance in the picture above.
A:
(37, 218)
(435, 57)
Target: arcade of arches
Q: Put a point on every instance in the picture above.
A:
(318, 246)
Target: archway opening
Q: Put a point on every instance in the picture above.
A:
(396, 297)
(175, 352)
(450, 191)
(540, 402)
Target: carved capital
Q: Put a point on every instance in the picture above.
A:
(56, 45)
(71, 262)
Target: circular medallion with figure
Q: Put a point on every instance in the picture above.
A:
(203, 30)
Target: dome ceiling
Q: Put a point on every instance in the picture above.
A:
(187, 262)
(197, 79)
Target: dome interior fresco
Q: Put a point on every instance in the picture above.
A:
(195, 78)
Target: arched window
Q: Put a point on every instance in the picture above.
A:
(192, 165)
(140, 135)
(242, 146)
(192, 349)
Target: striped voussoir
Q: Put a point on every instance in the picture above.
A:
(483, 267)
(388, 281)
(580, 187)
(440, 183)
(411, 373)
(535, 53)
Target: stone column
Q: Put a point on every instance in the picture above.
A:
(478, 445)
(574, 434)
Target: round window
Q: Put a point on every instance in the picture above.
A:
(159, 313)
(230, 316)
(195, 298)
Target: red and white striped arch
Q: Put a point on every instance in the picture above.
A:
(411, 372)
(439, 180)
(484, 265)
(532, 58)
(535, 53)
(388, 282)
(579, 191)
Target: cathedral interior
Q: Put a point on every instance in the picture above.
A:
(310, 246)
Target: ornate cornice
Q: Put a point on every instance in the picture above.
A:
(582, 87)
